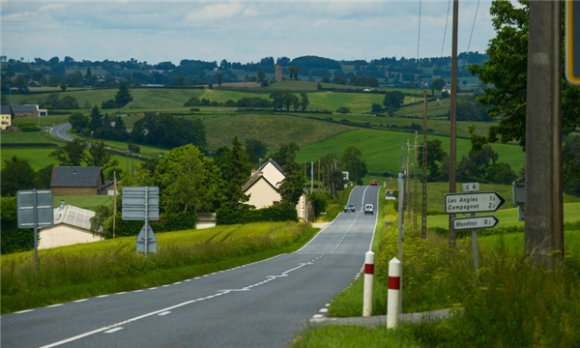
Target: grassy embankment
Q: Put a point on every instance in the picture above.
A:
(86, 270)
(508, 302)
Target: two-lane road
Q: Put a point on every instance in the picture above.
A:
(61, 131)
(263, 304)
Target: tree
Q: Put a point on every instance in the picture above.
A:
(435, 156)
(505, 74)
(351, 161)
(71, 154)
(261, 77)
(99, 156)
(95, 119)
(78, 121)
(571, 165)
(256, 150)
(123, 96)
(393, 101)
(304, 101)
(481, 164)
(292, 186)
(234, 172)
(16, 175)
(437, 85)
(13, 238)
(285, 153)
(293, 70)
(188, 181)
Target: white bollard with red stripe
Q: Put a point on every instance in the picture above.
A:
(394, 293)
(368, 283)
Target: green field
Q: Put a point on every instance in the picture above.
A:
(381, 150)
(273, 130)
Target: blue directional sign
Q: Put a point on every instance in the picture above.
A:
(573, 41)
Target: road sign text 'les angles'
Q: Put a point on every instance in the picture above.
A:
(472, 202)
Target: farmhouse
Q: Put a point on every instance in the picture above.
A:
(76, 181)
(72, 225)
(263, 188)
(24, 110)
(5, 118)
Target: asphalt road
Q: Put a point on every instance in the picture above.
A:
(60, 131)
(264, 304)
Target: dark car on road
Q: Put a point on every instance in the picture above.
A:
(349, 208)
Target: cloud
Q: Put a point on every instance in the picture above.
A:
(215, 12)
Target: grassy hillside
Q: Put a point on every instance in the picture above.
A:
(273, 130)
(382, 149)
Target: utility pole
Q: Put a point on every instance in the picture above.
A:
(543, 234)
(424, 177)
(415, 188)
(407, 183)
(453, 121)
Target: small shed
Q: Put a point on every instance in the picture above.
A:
(76, 181)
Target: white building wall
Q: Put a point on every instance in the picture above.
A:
(262, 195)
(61, 235)
(272, 174)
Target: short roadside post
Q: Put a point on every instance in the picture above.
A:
(394, 293)
(368, 283)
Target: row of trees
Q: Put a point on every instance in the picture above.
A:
(153, 129)
(481, 163)
(69, 72)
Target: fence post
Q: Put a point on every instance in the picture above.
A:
(368, 283)
(394, 293)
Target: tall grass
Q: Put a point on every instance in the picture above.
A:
(81, 271)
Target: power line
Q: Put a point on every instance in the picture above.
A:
(473, 26)
(419, 32)
(445, 31)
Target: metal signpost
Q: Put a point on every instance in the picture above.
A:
(34, 210)
(473, 202)
(142, 203)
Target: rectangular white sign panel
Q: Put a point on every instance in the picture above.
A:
(27, 200)
(473, 223)
(139, 200)
(476, 202)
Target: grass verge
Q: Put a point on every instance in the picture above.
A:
(81, 271)
(509, 302)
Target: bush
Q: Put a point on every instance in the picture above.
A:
(13, 239)
(279, 212)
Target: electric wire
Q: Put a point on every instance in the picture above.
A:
(473, 26)
(419, 32)
(446, 24)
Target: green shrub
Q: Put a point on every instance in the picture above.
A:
(278, 212)
(12, 238)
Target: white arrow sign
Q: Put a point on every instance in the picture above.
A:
(473, 223)
(472, 202)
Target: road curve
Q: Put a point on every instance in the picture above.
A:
(61, 131)
(264, 304)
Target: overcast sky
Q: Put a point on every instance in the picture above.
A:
(238, 31)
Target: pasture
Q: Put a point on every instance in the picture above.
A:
(381, 150)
